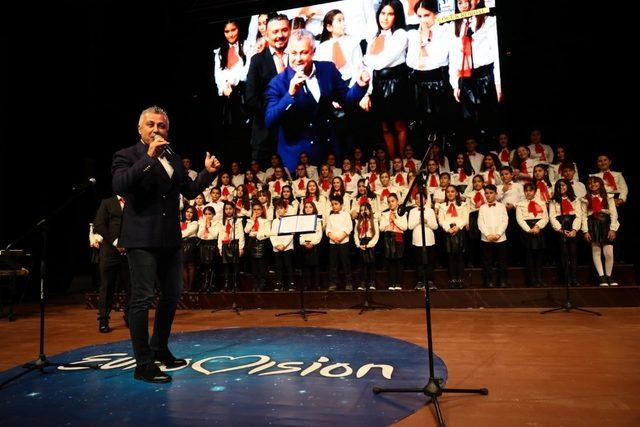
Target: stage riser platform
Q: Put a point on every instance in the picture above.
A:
(623, 296)
(516, 277)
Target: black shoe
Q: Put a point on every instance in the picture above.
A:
(169, 360)
(419, 286)
(292, 287)
(277, 287)
(460, 283)
(432, 286)
(502, 285)
(489, 285)
(104, 326)
(604, 282)
(452, 284)
(332, 288)
(348, 287)
(150, 373)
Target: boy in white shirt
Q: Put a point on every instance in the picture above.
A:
(282, 249)
(492, 222)
(339, 226)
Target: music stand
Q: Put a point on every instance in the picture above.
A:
(433, 389)
(294, 225)
(42, 227)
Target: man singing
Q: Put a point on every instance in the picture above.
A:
(299, 101)
(151, 178)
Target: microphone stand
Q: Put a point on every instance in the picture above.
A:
(568, 304)
(303, 311)
(42, 226)
(433, 389)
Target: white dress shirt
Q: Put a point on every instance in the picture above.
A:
(493, 220)
(264, 228)
(233, 75)
(621, 184)
(286, 241)
(484, 47)
(207, 233)
(374, 237)
(430, 224)
(352, 54)
(339, 223)
(545, 156)
(399, 223)
(611, 210)
(523, 214)
(437, 48)
(512, 195)
(394, 53)
(191, 230)
(445, 219)
(237, 233)
(314, 238)
(359, 17)
(555, 210)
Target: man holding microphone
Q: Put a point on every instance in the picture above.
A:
(300, 102)
(151, 177)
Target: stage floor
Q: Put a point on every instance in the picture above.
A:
(561, 369)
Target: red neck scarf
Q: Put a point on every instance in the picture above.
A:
(452, 211)
(566, 207)
(276, 187)
(301, 184)
(544, 191)
(534, 208)
(610, 180)
(410, 165)
(504, 155)
(325, 184)
(595, 204)
(433, 181)
(183, 225)
(399, 179)
(478, 200)
(540, 151)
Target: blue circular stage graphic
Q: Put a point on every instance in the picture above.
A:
(240, 377)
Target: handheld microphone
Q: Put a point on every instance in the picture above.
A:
(299, 68)
(167, 149)
(89, 183)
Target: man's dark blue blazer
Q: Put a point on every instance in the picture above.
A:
(304, 124)
(151, 217)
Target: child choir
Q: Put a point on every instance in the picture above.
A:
(481, 219)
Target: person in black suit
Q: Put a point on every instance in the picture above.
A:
(151, 178)
(113, 262)
(263, 67)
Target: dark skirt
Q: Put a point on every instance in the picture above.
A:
(599, 228)
(257, 248)
(230, 252)
(208, 251)
(566, 222)
(390, 92)
(455, 244)
(474, 231)
(393, 249)
(478, 92)
(429, 92)
(234, 112)
(367, 256)
(189, 249)
(534, 242)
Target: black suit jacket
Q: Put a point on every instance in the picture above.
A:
(261, 70)
(108, 221)
(151, 217)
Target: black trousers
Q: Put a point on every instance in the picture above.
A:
(395, 267)
(284, 262)
(534, 260)
(258, 270)
(569, 258)
(311, 277)
(425, 265)
(113, 270)
(231, 271)
(456, 266)
(339, 253)
(498, 252)
(147, 266)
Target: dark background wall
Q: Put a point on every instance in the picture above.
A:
(76, 75)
